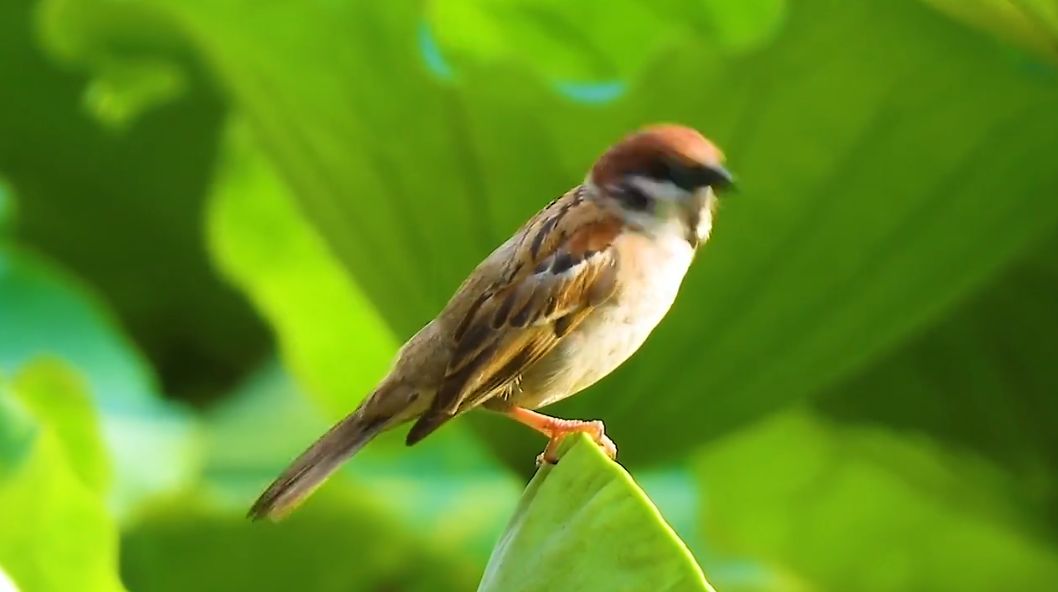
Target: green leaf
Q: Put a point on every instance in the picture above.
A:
(864, 216)
(585, 525)
(452, 494)
(492, 30)
(51, 468)
(45, 312)
(337, 347)
(865, 509)
(121, 206)
(339, 543)
(1031, 24)
(421, 519)
(56, 397)
(7, 207)
(982, 380)
(871, 157)
(330, 336)
(574, 56)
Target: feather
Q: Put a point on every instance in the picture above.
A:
(312, 467)
(563, 267)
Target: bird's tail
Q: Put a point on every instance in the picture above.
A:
(312, 467)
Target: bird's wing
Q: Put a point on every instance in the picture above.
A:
(563, 266)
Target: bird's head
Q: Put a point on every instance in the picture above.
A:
(663, 178)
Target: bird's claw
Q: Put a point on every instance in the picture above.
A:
(594, 429)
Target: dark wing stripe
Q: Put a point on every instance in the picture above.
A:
(520, 360)
(503, 311)
(474, 339)
(563, 325)
(552, 303)
(541, 234)
(461, 330)
(453, 384)
(521, 318)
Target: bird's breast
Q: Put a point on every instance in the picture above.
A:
(650, 275)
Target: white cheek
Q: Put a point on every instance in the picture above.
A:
(705, 225)
(657, 224)
(705, 219)
(664, 218)
(644, 220)
(665, 190)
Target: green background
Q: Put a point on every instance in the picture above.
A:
(220, 218)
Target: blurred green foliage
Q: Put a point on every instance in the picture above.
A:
(90, 190)
(45, 312)
(1032, 24)
(856, 390)
(863, 509)
(264, 246)
(52, 485)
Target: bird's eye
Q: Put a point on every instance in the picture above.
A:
(633, 198)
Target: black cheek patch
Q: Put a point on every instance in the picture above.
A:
(634, 199)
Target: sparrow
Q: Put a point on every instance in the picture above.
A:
(558, 306)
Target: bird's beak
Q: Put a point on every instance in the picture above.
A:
(721, 179)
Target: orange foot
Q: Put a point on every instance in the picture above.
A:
(556, 429)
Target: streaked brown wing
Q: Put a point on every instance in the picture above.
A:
(564, 266)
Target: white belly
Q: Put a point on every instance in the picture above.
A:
(651, 273)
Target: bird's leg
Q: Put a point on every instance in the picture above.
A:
(556, 429)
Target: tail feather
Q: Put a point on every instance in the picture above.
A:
(312, 467)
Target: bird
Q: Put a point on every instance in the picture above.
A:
(551, 311)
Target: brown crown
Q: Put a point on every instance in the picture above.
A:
(640, 150)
